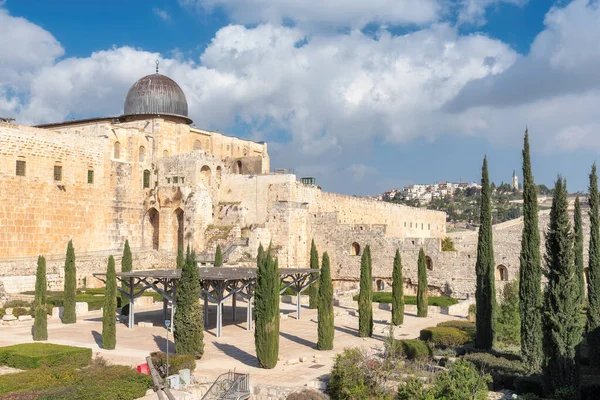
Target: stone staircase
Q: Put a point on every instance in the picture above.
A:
(229, 386)
(209, 257)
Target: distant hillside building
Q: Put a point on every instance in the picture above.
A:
(515, 180)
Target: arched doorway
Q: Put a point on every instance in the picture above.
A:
(238, 167)
(429, 263)
(501, 273)
(355, 249)
(179, 216)
(153, 217)
(380, 285)
(205, 171)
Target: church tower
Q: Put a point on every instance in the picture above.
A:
(515, 180)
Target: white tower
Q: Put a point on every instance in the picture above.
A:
(515, 180)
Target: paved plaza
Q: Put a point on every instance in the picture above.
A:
(235, 349)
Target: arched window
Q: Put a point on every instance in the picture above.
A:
(165, 153)
(146, 183)
(380, 285)
(142, 154)
(152, 229)
(238, 167)
(205, 171)
(197, 145)
(355, 249)
(501, 273)
(429, 263)
(117, 150)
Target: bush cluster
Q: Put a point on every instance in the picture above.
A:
(413, 349)
(38, 355)
(444, 336)
(177, 362)
(386, 298)
(467, 327)
(462, 381)
(504, 372)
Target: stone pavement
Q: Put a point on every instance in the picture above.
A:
(235, 349)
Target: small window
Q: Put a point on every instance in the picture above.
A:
(20, 168)
(90, 176)
(421, 225)
(411, 224)
(197, 145)
(165, 153)
(182, 179)
(405, 224)
(58, 173)
(117, 152)
(428, 227)
(168, 180)
(146, 179)
(175, 179)
(142, 154)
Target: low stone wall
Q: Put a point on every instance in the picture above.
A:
(304, 300)
(268, 392)
(458, 310)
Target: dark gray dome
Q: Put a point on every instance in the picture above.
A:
(156, 95)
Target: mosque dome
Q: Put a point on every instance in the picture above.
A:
(156, 94)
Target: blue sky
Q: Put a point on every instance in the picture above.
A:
(365, 95)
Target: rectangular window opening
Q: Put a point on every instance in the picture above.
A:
(175, 179)
(146, 182)
(58, 173)
(20, 168)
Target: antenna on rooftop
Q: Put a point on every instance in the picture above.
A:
(157, 66)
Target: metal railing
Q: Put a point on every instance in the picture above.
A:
(229, 386)
(227, 250)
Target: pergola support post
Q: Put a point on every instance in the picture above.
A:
(131, 301)
(298, 305)
(234, 306)
(205, 311)
(219, 318)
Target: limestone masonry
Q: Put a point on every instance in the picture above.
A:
(150, 177)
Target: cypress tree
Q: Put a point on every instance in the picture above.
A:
(593, 283)
(530, 271)
(180, 260)
(397, 291)
(578, 230)
(126, 266)
(365, 296)
(422, 292)
(188, 319)
(313, 290)
(40, 325)
(109, 329)
(266, 305)
(562, 332)
(326, 328)
(218, 257)
(70, 290)
(485, 293)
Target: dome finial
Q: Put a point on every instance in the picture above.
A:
(157, 66)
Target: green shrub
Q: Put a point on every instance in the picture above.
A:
(508, 321)
(177, 362)
(37, 355)
(386, 298)
(467, 327)
(18, 303)
(590, 387)
(530, 384)
(503, 371)
(414, 349)
(2, 312)
(444, 336)
(413, 389)
(18, 311)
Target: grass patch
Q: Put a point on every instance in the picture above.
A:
(98, 381)
(386, 297)
(94, 297)
(38, 355)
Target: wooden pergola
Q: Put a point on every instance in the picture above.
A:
(218, 285)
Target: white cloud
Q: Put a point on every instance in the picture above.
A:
(162, 14)
(326, 13)
(474, 11)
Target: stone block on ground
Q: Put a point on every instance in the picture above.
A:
(57, 312)
(145, 324)
(25, 317)
(9, 317)
(81, 308)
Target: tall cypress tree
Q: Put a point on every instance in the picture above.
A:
(40, 325)
(126, 266)
(485, 293)
(593, 283)
(70, 291)
(313, 290)
(422, 291)
(326, 328)
(562, 332)
(397, 291)
(578, 230)
(188, 319)
(218, 257)
(266, 305)
(109, 329)
(365, 296)
(180, 259)
(530, 271)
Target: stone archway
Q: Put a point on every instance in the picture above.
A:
(501, 273)
(355, 249)
(152, 229)
(238, 167)
(179, 226)
(206, 175)
(380, 285)
(429, 263)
